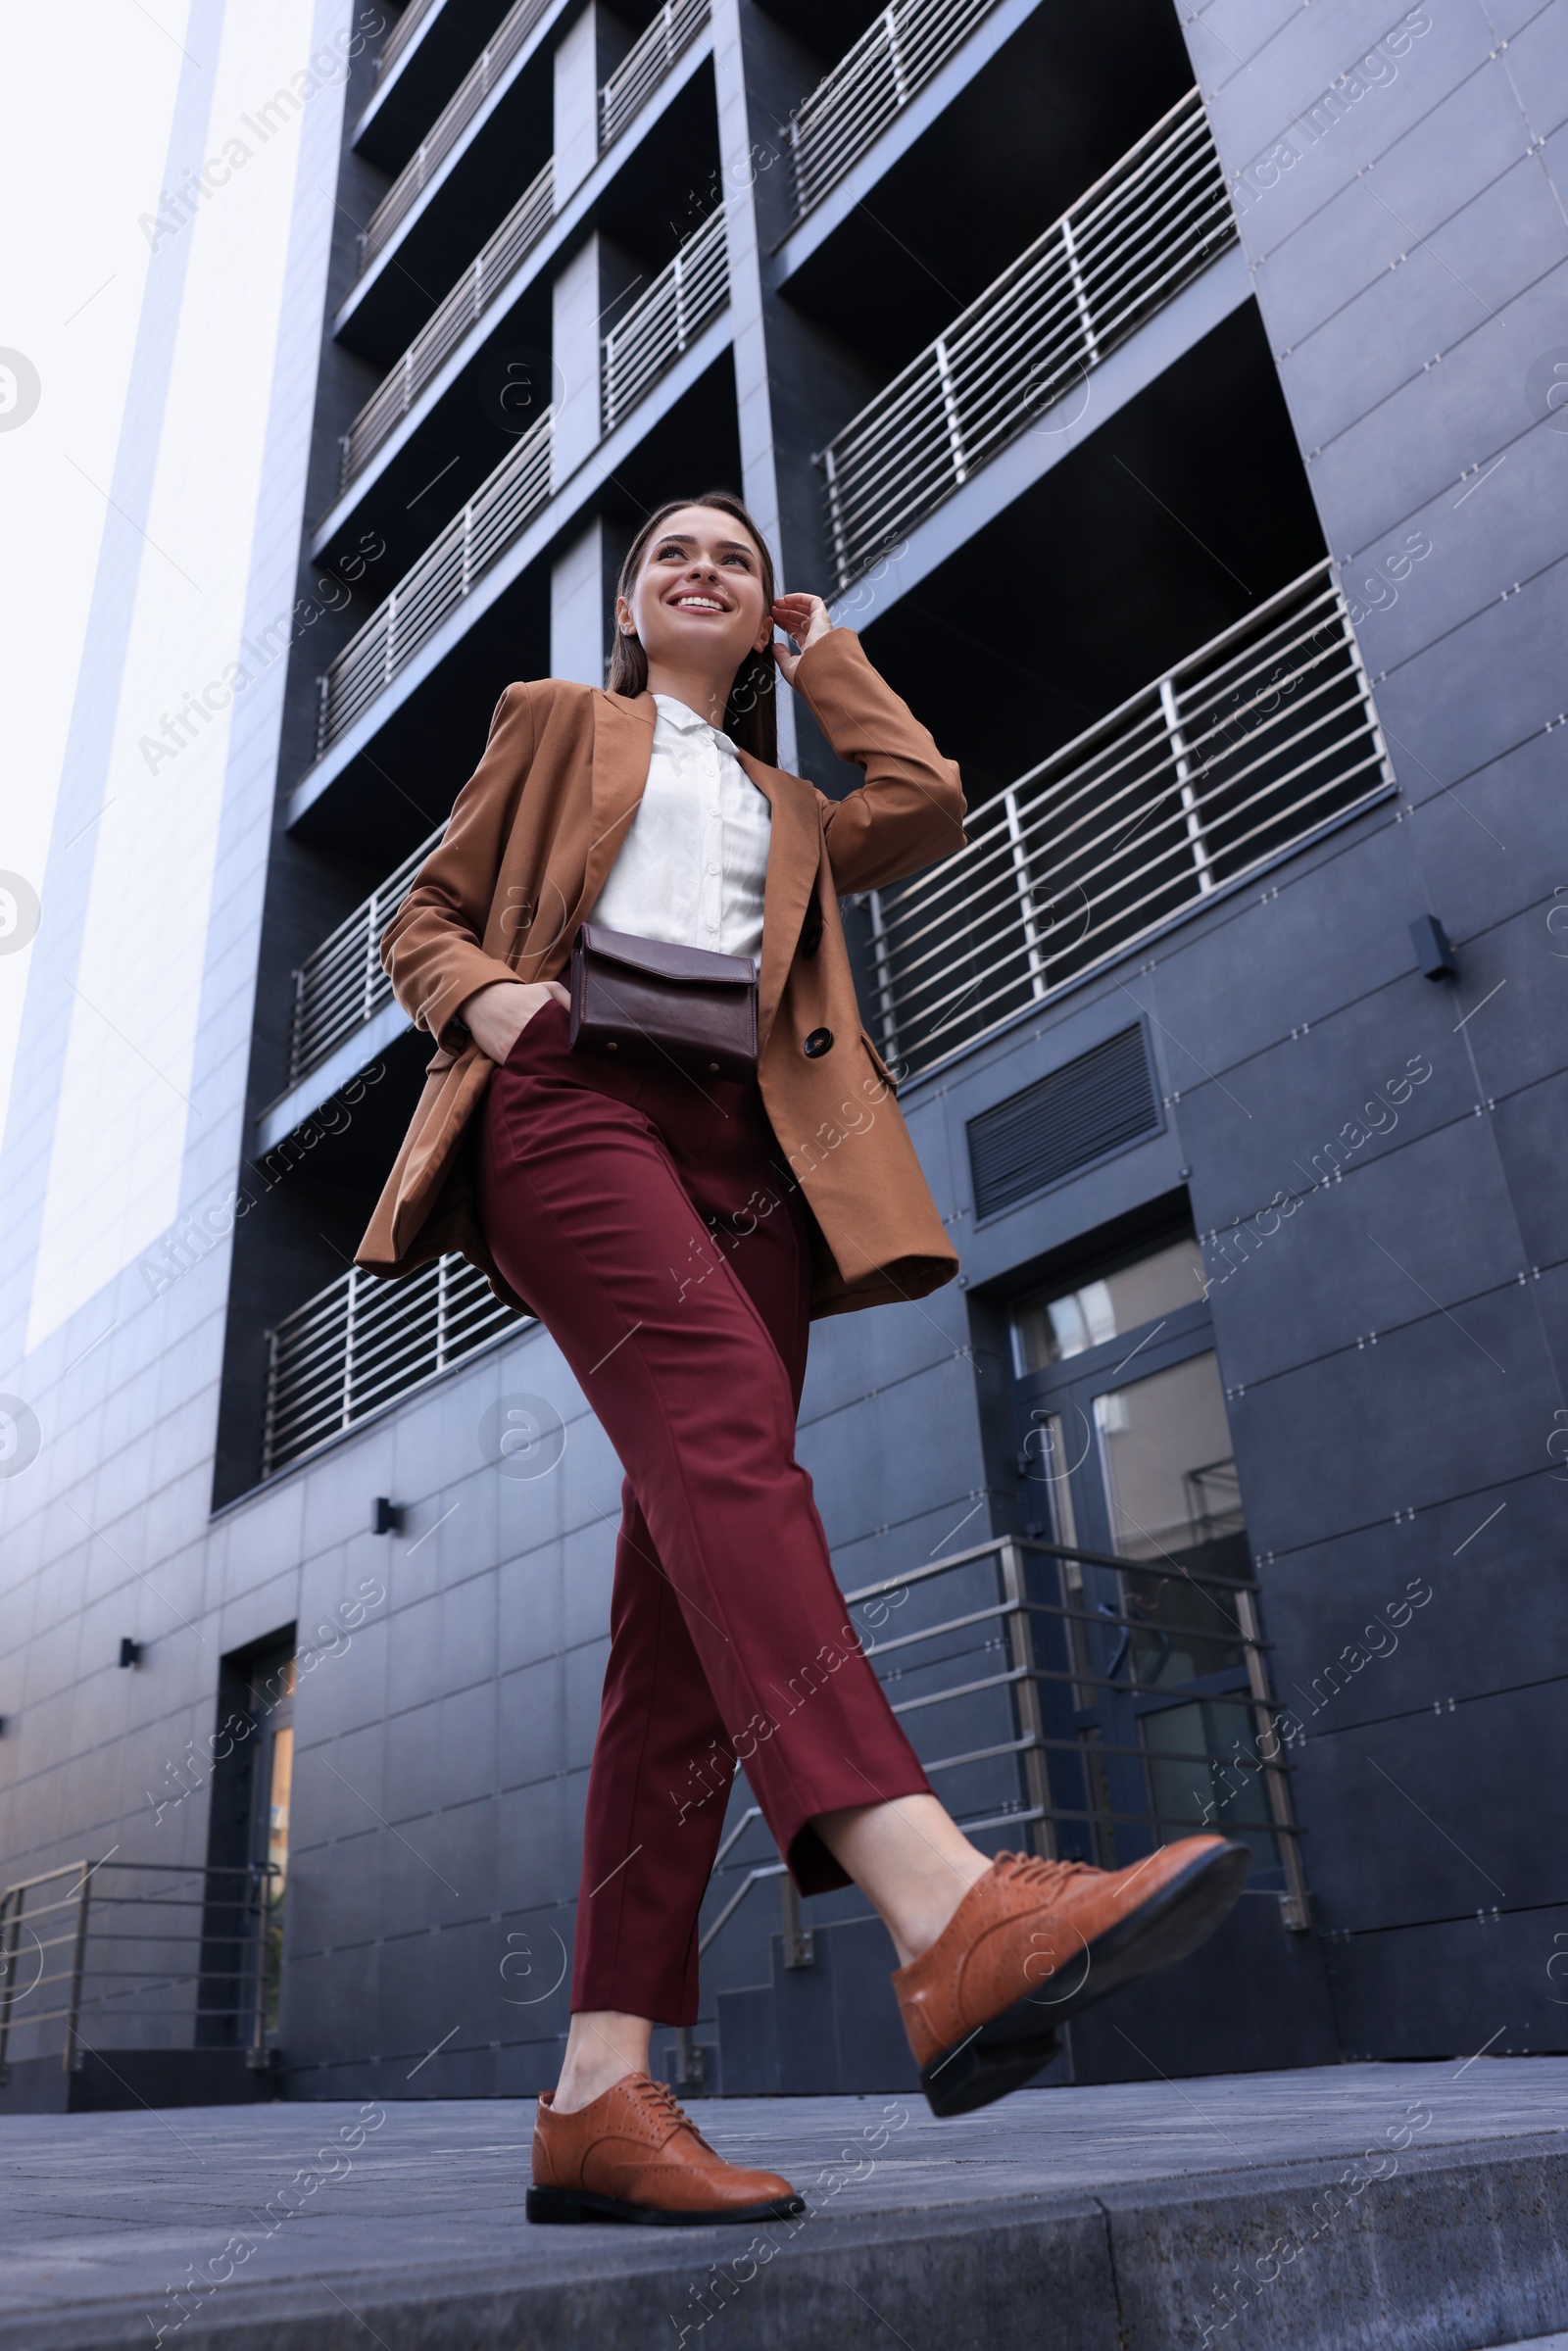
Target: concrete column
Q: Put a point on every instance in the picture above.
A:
(580, 595)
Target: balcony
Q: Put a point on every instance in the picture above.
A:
(645, 64)
(398, 39)
(449, 126)
(497, 263)
(341, 984)
(363, 1344)
(436, 584)
(666, 321)
(492, 269)
(686, 294)
(1238, 754)
(640, 72)
(895, 56)
(1121, 252)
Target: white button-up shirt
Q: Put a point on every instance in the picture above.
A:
(692, 866)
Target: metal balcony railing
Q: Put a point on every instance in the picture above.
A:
(362, 1342)
(682, 298)
(1124, 249)
(1089, 1726)
(402, 33)
(134, 1955)
(1237, 754)
(436, 584)
(497, 262)
(449, 126)
(341, 985)
(645, 64)
(487, 274)
(894, 58)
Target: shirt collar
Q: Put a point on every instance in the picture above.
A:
(686, 721)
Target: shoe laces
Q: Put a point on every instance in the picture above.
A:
(659, 2100)
(1034, 1872)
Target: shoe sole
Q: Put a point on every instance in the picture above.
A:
(1013, 2047)
(566, 2204)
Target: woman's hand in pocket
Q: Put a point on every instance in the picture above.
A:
(496, 1016)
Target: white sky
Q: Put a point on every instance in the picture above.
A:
(84, 123)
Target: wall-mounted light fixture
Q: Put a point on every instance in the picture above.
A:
(130, 1653)
(1433, 951)
(386, 1517)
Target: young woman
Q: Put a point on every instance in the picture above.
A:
(675, 1231)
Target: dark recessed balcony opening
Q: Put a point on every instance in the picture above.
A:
(426, 55)
(655, 203)
(1041, 122)
(1182, 513)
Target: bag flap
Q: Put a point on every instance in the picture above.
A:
(665, 960)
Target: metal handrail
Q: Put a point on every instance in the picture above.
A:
(397, 41)
(449, 126)
(433, 587)
(666, 319)
(645, 64)
(82, 1934)
(341, 984)
(486, 276)
(1236, 755)
(1026, 1684)
(1116, 256)
(873, 81)
(363, 1344)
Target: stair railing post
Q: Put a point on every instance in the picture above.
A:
(1031, 1720)
(69, 2058)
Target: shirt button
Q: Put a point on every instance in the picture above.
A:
(713, 870)
(819, 1042)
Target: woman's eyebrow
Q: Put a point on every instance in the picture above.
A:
(683, 538)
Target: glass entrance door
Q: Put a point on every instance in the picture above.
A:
(1125, 1449)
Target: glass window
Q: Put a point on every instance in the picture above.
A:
(1204, 1776)
(1172, 1493)
(1056, 1323)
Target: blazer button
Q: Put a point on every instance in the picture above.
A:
(819, 1042)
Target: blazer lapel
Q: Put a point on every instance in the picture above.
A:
(624, 746)
(793, 854)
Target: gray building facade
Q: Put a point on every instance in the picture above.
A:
(1176, 403)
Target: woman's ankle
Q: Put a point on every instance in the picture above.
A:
(601, 2049)
(921, 1922)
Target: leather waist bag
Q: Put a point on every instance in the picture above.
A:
(660, 1006)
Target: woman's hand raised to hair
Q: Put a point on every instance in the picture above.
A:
(496, 1016)
(806, 618)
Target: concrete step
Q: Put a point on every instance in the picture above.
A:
(116, 2081)
(1346, 2208)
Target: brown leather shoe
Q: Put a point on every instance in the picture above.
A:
(631, 2155)
(1034, 1941)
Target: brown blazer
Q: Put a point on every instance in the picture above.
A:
(529, 843)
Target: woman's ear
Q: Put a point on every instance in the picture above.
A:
(623, 617)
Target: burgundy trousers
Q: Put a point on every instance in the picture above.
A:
(655, 1226)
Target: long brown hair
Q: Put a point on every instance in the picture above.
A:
(751, 715)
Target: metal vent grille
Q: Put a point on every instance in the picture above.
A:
(1062, 1122)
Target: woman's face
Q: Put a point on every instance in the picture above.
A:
(697, 600)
